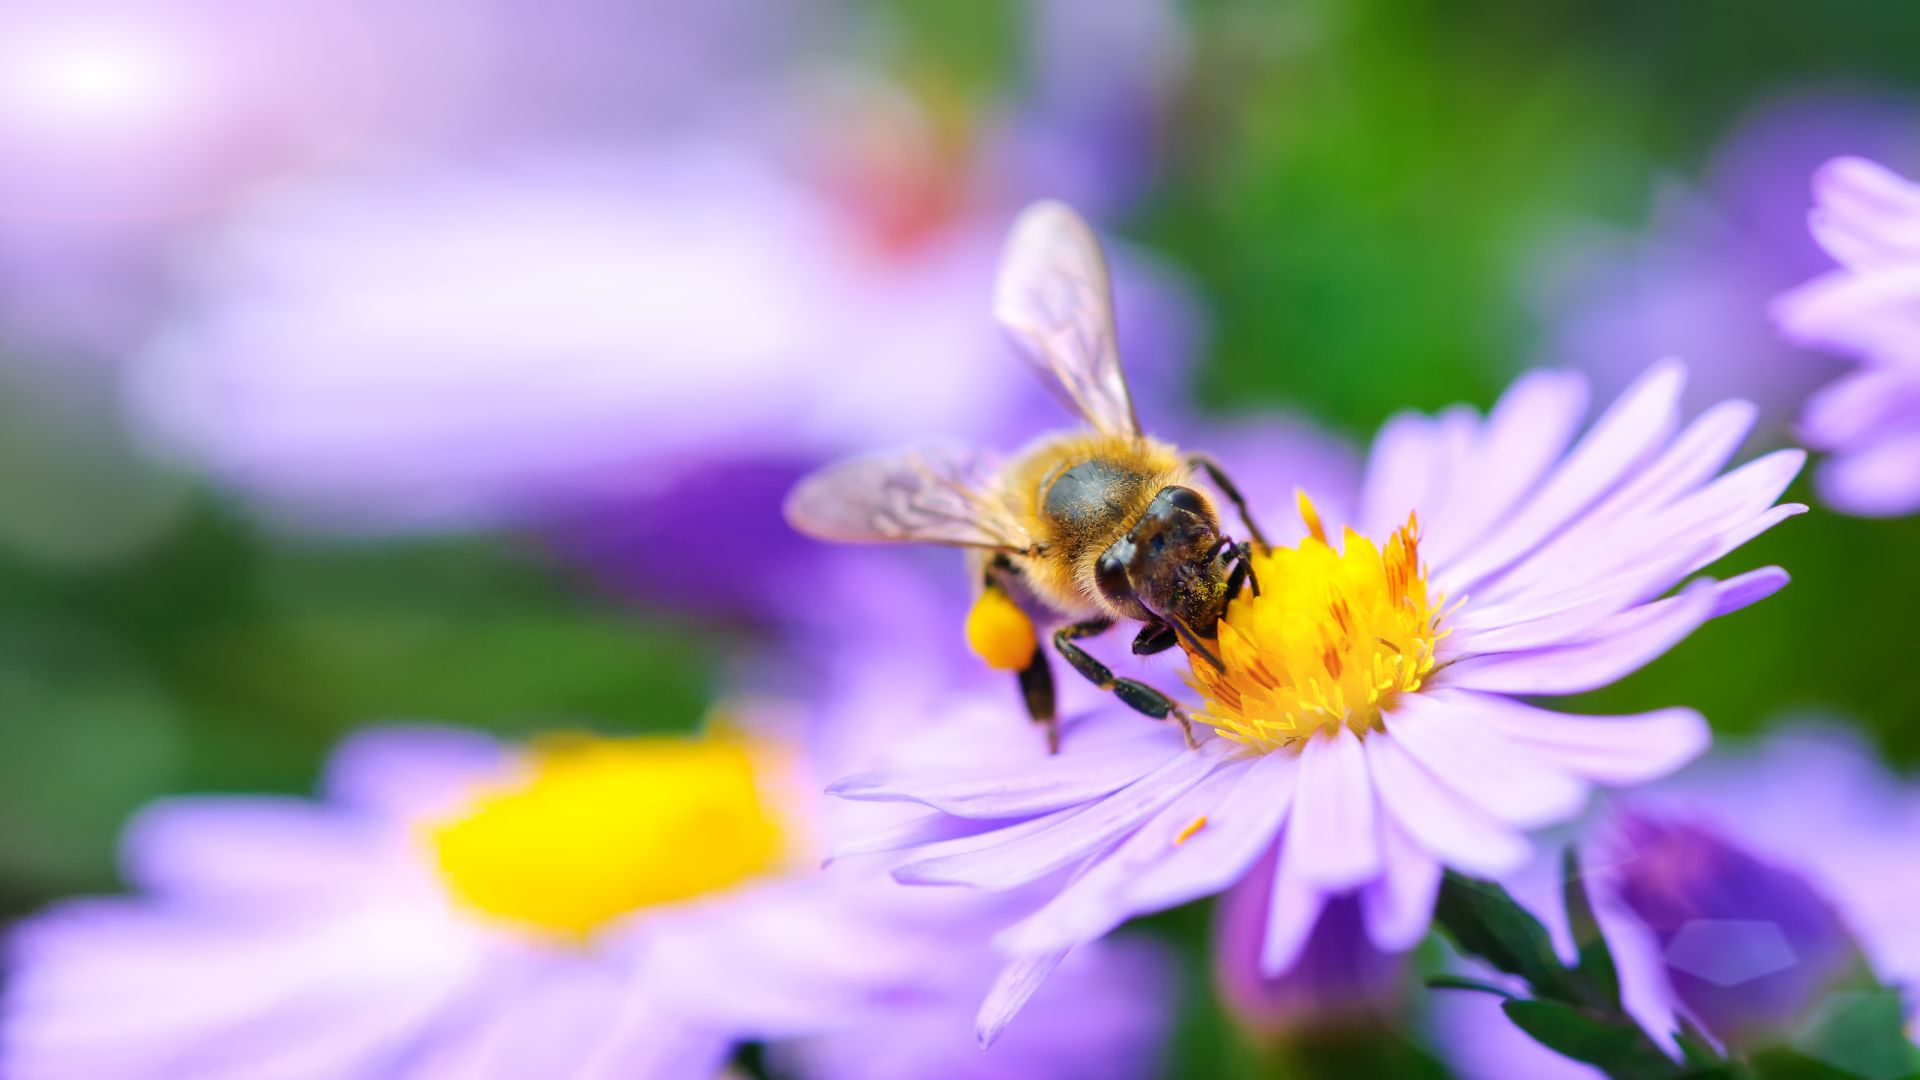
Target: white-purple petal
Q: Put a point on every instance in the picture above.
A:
(926, 829)
(1443, 731)
(1334, 835)
(1398, 905)
(1096, 901)
(1401, 473)
(1072, 838)
(1000, 791)
(256, 847)
(1882, 480)
(1292, 910)
(1615, 750)
(1638, 423)
(1747, 589)
(1867, 216)
(1011, 990)
(411, 771)
(1440, 819)
(1615, 648)
(1859, 407)
(1242, 826)
(1523, 437)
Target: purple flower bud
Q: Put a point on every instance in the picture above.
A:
(1340, 980)
(1748, 945)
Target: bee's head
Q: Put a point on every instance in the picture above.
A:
(1167, 567)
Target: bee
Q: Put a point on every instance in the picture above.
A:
(1092, 527)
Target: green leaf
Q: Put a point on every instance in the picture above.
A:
(1484, 921)
(1462, 982)
(1617, 1047)
(1857, 1032)
(1596, 969)
(1696, 1050)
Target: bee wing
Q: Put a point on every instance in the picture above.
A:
(1056, 302)
(928, 495)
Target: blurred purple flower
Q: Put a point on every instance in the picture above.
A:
(1102, 78)
(457, 907)
(1748, 946)
(1735, 894)
(1868, 219)
(1340, 980)
(622, 346)
(127, 129)
(1364, 727)
(1696, 283)
(1105, 1013)
(461, 349)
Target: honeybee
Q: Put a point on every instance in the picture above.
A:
(1092, 527)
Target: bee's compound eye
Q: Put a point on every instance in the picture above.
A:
(1182, 498)
(1110, 573)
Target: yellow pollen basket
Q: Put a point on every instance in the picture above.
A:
(1000, 632)
(601, 827)
(1333, 638)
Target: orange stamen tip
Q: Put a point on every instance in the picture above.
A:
(1193, 826)
(1309, 515)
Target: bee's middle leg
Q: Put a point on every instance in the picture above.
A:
(1134, 694)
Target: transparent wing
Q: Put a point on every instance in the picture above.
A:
(929, 495)
(1056, 302)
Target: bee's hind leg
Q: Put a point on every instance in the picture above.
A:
(1218, 475)
(1007, 629)
(1036, 690)
(1136, 695)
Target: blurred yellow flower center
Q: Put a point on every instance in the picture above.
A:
(598, 828)
(1331, 640)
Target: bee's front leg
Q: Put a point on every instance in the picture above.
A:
(1242, 572)
(1155, 638)
(1136, 695)
(1218, 474)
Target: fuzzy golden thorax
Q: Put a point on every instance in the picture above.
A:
(1081, 494)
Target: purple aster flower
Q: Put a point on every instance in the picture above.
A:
(582, 907)
(1696, 281)
(1363, 726)
(1734, 894)
(1868, 219)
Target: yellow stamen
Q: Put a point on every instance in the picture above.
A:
(598, 828)
(1193, 826)
(1333, 637)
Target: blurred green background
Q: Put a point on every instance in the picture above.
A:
(1361, 190)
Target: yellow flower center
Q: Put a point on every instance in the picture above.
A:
(1334, 636)
(597, 828)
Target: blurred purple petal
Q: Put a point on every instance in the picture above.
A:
(1696, 282)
